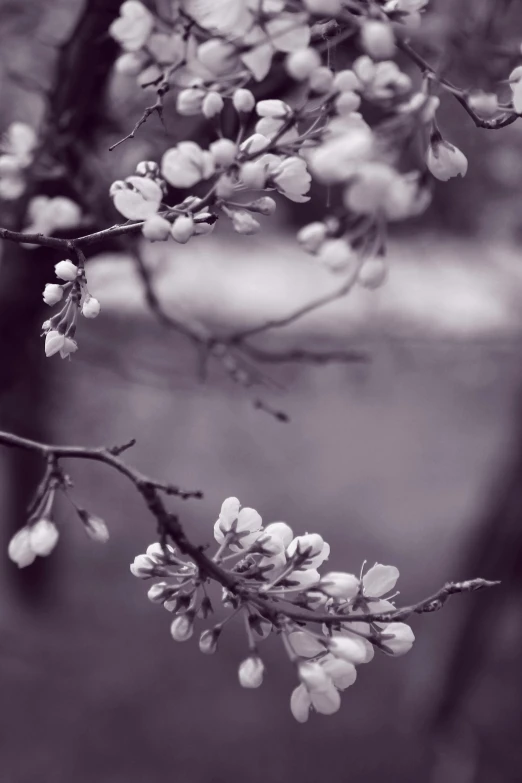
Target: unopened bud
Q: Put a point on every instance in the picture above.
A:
(264, 205)
(251, 672)
(312, 236)
(156, 229)
(212, 104)
(182, 627)
(143, 567)
(243, 100)
(377, 39)
(243, 222)
(95, 527)
(208, 640)
(66, 270)
(91, 307)
(148, 168)
(182, 229)
(53, 293)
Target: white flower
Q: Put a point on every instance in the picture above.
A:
(301, 63)
(20, 550)
(182, 627)
(133, 26)
(273, 108)
(139, 200)
(158, 592)
(312, 236)
(212, 104)
(218, 56)
(182, 229)
(255, 143)
(244, 524)
(280, 531)
(397, 639)
(346, 81)
(337, 255)
(208, 641)
(43, 537)
(189, 102)
(339, 158)
(346, 103)
(291, 178)
(253, 174)
(66, 270)
(243, 100)
(313, 676)
(243, 222)
(143, 566)
(56, 342)
(130, 63)
(186, 165)
(156, 229)
(339, 584)
(223, 151)
(379, 580)
(377, 39)
(351, 648)
(271, 127)
(91, 307)
(445, 161)
(368, 193)
(19, 142)
(310, 550)
(53, 293)
(381, 81)
(264, 205)
(251, 672)
(321, 80)
(373, 273)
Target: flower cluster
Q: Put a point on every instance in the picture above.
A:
(262, 567)
(60, 329)
(208, 52)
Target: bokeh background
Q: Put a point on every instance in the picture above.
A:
(411, 457)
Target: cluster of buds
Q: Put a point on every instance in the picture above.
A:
(60, 329)
(262, 567)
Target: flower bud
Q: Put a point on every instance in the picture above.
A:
(397, 639)
(204, 223)
(253, 174)
(91, 307)
(346, 81)
(244, 223)
(208, 640)
(255, 143)
(243, 100)
(43, 537)
(445, 161)
(52, 294)
(321, 80)
(130, 63)
(251, 672)
(182, 229)
(182, 627)
(301, 63)
(312, 236)
(373, 273)
(300, 704)
(377, 39)
(273, 107)
(212, 104)
(337, 255)
(156, 229)
(159, 592)
(148, 168)
(338, 584)
(66, 270)
(190, 101)
(20, 550)
(223, 151)
(346, 103)
(484, 103)
(307, 546)
(142, 567)
(95, 527)
(225, 186)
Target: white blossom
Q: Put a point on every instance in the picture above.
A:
(243, 100)
(43, 537)
(340, 157)
(19, 549)
(251, 672)
(182, 229)
(212, 104)
(351, 648)
(223, 151)
(133, 26)
(379, 580)
(373, 273)
(66, 270)
(321, 80)
(273, 108)
(280, 531)
(139, 200)
(182, 627)
(377, 39)
(337, 255)
(291, 178)
(186, 164)
(312, 236)
(91, 307)
(156, 228)
(445, 161)
(301, 63)
(397, 639)
(339, 584)
(53, 293)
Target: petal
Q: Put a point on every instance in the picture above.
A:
(249, 520)
(229, 510)
(300, 704)
(342, 673)
(133, 206)
(305, 644)
(326, 701)
(380, 579)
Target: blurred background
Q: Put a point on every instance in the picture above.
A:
(411, 455)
